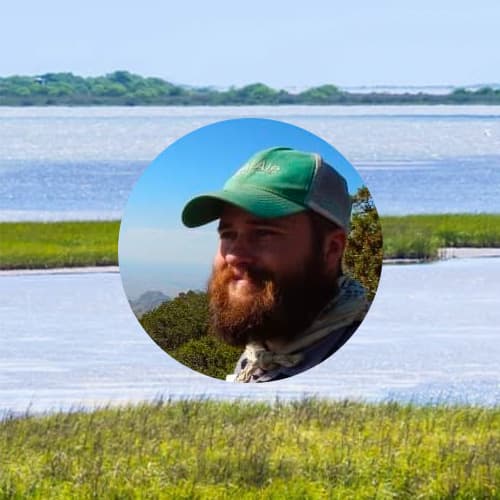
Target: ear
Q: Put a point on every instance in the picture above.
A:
(333, 250)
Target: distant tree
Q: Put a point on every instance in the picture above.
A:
(488, 91)
(325, 94)
(59, 89)
(460, 95)
(21, 91)
(122, 87)
(108, 88)
(256, 93)
(145, 93)
(123, 78)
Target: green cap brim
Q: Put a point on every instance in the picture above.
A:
(208, 207)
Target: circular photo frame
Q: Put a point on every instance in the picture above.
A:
(250, 250)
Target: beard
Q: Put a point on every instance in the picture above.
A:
(271, 307)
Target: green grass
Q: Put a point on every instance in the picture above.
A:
(206, 449)
(420, 236)
(31, 245)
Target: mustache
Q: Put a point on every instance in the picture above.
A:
(251, 273)
(236, 319)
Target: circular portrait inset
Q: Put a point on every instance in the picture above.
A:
(250, 250)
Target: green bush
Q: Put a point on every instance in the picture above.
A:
(364, 252)
(209, 355)
(181, 328)
(178, 321)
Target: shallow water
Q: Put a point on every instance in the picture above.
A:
(81, 163)
(431, 335)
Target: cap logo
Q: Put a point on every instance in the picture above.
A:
(260, 166)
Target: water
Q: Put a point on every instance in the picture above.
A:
(430, 336)
(81, 163)
(71, 340)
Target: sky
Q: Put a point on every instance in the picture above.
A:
(281, 43)
(153, 244)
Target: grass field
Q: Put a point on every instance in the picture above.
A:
(420, 236)
(205, 449)
(60, 244)
(31, 245)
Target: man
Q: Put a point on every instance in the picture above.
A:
(277, 286)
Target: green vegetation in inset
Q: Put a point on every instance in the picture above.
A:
(123, 88)
(205, 449)
(363, 255)
(181, 328)
(420, 236)
(36, 245)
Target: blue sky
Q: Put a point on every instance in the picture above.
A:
(152, 237)
(280, 43)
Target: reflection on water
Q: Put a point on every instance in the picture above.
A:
(432, 335)
(81, 163)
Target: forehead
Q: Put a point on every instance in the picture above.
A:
(232, 215)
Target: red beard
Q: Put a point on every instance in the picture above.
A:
(270, 308)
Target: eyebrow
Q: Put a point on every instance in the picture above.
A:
(256, 223)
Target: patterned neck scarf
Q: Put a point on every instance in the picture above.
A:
(349, 306)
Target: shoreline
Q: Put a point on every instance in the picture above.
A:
(60, 270)
(443, 254)
(467, 252)
(448, 253)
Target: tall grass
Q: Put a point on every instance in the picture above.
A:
(207, 449)
(35, 245)
(420, 236)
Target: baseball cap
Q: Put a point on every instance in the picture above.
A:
(277, 182)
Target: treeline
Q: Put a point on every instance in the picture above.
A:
(181, 326)
(122, 88)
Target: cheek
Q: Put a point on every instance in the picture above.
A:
(218, 259)
(275, 262)
(222, 248)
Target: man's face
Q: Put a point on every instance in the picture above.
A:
(269, 278)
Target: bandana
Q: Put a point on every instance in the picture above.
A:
(349, 306)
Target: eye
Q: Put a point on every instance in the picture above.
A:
(264, 232)
(227, 234)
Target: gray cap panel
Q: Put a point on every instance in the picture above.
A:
(329, 196)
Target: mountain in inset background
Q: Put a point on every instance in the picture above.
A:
(147, 301)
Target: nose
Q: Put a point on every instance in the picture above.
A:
(238, 251)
